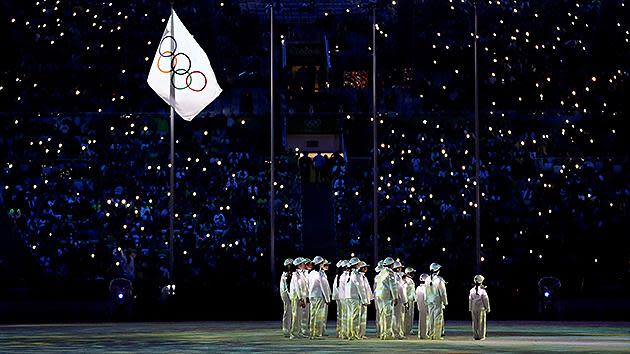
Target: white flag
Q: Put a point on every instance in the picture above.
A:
(194, 83)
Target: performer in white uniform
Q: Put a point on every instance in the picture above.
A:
(306, 319)
(478, 305)
(356, 299)
(345, 295)
(299, 293)
(370, 296)
(285, 281)
(326, 284)
(338, 293)
(387, 297)
(410, 291)
(319, 295)
(436, 300)
(399, 308)
(422, 307)
(378, 269)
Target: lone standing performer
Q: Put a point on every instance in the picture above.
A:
(436, 300)
(478, 305)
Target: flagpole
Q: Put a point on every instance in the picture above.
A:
(477, 163)
(374, 139)
(171, 200)
(272, 170)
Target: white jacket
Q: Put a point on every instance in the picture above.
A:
(435, 291)
(299, 286)
(386, 288)
(318, 287)
(478, 300)
(402, 291)
(422, 306)
(374, 285)
(410, 290)
(356, 288)
(366, 286)
(326, 286)
(335, 289)
(284, 286)
(344, 285)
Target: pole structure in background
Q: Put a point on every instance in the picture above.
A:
(171, 200)
(374, 139)
(477, 163)
(272, 161)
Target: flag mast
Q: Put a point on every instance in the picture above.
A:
(171, 200)
(374, 141)
(477, 157)
(272, 216)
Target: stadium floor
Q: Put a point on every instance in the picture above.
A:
(265, 336)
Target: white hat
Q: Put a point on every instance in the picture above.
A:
(339, 264)
(397, 265)
(423, 277)
(362, 264)
(378, 268)
(380, 263)
(298, 261)
(317, 260)
(353, 261)
(434, 267)
(326, 261)
(479, 278)
(409, 270)
(288, 261)
(306, 260)
(388, 261)
(344, 264)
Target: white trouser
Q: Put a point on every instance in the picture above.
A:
(422, 322)
(325, 318)
(317, 319)
(297, 318)
(409, 314)
(386, 318)
(478, 323)
(399, 311)
(286, 315)
(378, 323)
(306, 317)
(435, 321)
(339, 317)
(363, 330)
(354, 319)
(345, 319)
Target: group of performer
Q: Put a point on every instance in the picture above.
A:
(306, 295)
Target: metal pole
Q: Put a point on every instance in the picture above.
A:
(374, 139)
(272, 171)
(171, 200)
(477, 137)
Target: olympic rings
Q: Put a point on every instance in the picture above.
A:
(179, 72)
(174, 64)
(163, 56)
(173, 78)
(189, 77)
(162, 53)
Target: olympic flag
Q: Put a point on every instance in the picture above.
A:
(181, 73)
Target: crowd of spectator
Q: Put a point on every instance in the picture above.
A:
(554, 197)
(88, 195)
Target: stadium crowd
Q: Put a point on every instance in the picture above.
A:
(66, 175)
(543, 203)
